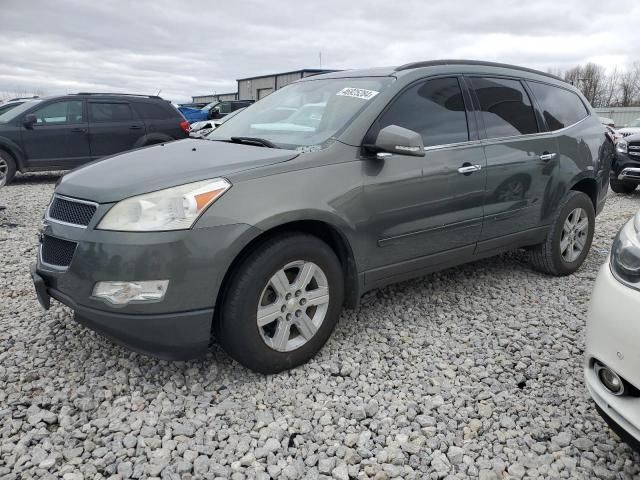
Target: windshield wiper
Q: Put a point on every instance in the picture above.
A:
(263, 142)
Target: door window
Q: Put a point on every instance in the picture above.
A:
(505, 107)
(560, 108)
(434, 109)
(109, 112)
(224, 107)
(60, 112)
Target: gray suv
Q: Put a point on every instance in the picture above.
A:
(276, 220)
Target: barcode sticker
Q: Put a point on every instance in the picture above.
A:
(357, 93)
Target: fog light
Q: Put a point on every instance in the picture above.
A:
(123, 293)
(609, 379)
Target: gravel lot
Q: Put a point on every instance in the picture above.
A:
(475, 371)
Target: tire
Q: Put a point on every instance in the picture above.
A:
(549, 256)
(7, 168)
(258, 280)
(622, 186)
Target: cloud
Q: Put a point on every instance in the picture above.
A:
(189, 48)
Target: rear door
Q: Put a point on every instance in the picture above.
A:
(59, 138)
(112, 127)
(424, 210)
(521, 160)
(161, 119)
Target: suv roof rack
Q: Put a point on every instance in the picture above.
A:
(118, 94)
(434, 63)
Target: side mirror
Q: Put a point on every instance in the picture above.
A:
(29, 120)
(401, 141)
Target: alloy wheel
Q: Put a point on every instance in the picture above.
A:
(4, 171)
(293, 305)
(574, 235)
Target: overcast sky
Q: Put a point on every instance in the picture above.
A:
(186, 48)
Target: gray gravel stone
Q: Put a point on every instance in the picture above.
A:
(486, 356)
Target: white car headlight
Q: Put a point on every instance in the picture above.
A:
(175, 208)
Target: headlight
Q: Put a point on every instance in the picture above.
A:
(625, 253)
(621, 146)
(175, 208)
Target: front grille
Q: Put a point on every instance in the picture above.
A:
(70, 211)
(56, 251)
(634, 149)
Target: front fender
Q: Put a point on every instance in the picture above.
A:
(14, 149)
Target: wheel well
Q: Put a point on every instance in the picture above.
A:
(590, 187)
(325, 232)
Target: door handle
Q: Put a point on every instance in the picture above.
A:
(79, 130)
(468, 169)
(546, 156)
(135, 127)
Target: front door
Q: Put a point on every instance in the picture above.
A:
(424, 210)
(112, 128)
(59, 138)
(521, 162)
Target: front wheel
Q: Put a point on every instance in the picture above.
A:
(281, 304)
(569, 239)
(7, 168)
(622, 186)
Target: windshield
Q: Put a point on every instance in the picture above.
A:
(209, 106)
(305, 115)
(14, 112)
(635, 123)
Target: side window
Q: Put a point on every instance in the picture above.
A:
(224, 107)
(109, 112)
(60, 113)
(434, 109)
(154, 111)
(505, 107)
(561, 108)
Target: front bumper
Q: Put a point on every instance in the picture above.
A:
(625, 167)
(194, 261)
(612, 339)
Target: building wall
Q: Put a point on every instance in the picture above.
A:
(621, 115)
(256, 88)
(214, 97)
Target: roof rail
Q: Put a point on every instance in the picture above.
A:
(118, 94)
(434, 63)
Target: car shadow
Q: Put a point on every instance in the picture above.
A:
(35, 178)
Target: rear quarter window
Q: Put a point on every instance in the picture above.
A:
(560, 107)
(155, 110)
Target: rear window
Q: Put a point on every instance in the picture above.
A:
(109, 112)
(155, 110)
(505, 107)
(561, 108)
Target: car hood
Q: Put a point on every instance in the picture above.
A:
(628, 130)
(162, 166)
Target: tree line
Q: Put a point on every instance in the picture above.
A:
(616, 88)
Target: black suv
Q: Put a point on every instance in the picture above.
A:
(625, 170)
(226, 107)
(62, 132)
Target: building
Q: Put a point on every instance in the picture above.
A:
(255, 88)
(214, 97)
(620, 115)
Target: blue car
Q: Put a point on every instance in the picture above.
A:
(214, 110)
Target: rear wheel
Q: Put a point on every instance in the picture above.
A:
(569, 239)
(7, 168)
(622, 186)
(281, 304)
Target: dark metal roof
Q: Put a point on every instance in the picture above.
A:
(314, 71)
(435, 63)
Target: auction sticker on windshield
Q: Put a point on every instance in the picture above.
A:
(357, 93)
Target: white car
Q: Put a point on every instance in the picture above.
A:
(612, 363)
